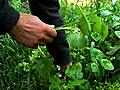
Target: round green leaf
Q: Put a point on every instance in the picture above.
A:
(96, 54)
(106, 64)
(76, 41)
(94, 67)
(96, 36)
(74, 72)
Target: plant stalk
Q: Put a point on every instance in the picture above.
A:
(63, 26)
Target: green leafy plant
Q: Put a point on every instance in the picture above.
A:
(75, 72)
(93, 36)
(96, 30)
(22, 7)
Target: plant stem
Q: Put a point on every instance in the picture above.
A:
(61, 27)
(72, 27)
(41, 51)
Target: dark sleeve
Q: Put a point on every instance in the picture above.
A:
(8, 17)
(48, 12)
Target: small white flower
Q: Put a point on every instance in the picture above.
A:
(3, 46)
(58, 68)
(18, 7)
(98, 50)
(32, 51)
(60, 75)
(38, 56)
(114, 57)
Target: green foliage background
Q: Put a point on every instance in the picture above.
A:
(96, 56)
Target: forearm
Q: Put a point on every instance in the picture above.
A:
(49, 13)
(8, 17)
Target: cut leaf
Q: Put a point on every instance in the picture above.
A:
(76, 41)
